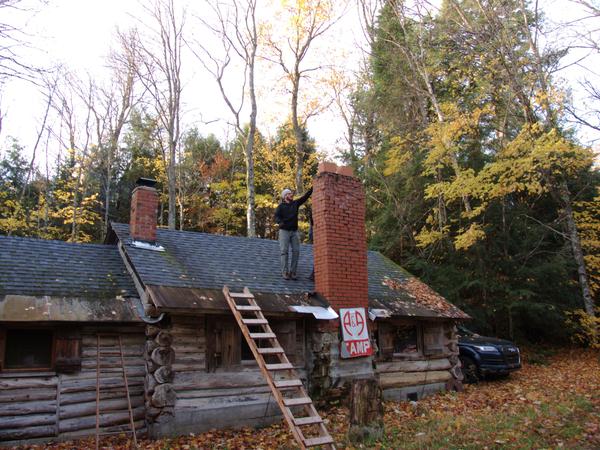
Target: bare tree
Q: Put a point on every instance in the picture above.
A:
(71, 101)
(50, 89)
(310, 20)
(237, 30)
(111, 109)
(158, 67)
(586, 51)
(12, 38)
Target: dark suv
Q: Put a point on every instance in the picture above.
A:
(481, 355)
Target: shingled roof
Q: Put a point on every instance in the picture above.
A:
(56, 280)
(204, 263)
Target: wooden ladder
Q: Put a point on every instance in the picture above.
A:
(112, 348)
(295, 404)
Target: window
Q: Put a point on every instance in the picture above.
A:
(26, 349)
(398, 339)
(406, 340)
(227, 348)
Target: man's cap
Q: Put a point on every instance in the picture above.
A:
(285, 192)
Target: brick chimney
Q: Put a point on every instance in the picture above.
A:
(144, 210)
(340, 245)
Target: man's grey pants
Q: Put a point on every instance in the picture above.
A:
(287, 238)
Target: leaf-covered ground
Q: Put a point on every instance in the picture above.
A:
(553, 402)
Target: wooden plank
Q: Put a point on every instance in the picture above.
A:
(247, 308)
(24, 408)
(254, 321)
(321, 440)
(302, 421)
(270, 350)
(87, 409)
(221, 393)
(398, 379)
(413, 366)
(105, 383)
(31, 420)
(26, 395)
(241, 295)
(287, 383)
(29, 432)
(27, 383)
(297, 401)
(262, 335)
(84, 397)
(89, 422)
(281, 366)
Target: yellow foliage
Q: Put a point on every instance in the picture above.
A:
(587, 218)
(398, 155)
(586, 328)
(532, 162)
(467, 238)
(427, 237)
(446, 138)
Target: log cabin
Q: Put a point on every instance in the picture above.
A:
(55, 298)
(188, 367)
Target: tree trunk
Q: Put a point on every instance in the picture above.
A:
(297, 134)
(366, 410)
(251, 207)
(172, 187)
(565, 197)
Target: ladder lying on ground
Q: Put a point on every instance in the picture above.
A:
(295, 404)
(110, 345)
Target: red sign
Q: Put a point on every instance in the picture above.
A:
(355, 334)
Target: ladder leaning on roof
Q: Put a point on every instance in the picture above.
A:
(111, 347)
(298, 410)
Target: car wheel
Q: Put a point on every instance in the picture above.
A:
(470, 370)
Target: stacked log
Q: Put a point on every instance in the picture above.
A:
(158, 385)
(451, 342)
(61, 406)
(77, 398)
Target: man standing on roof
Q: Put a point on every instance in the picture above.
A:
(286, 216)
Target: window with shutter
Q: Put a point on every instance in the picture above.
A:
(67, 351)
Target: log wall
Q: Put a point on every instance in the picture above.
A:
(431, 370)
(219, 397)
(60, 406)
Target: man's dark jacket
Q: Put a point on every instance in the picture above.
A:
(286, 214)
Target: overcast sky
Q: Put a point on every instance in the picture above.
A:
(79, 33)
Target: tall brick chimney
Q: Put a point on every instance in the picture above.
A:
(340, 245)
(144, 210)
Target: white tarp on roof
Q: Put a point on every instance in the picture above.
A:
(318, 311)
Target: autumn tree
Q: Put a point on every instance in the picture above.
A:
(306, 21)
(452, 96)
(238, 32)
(158, 66)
